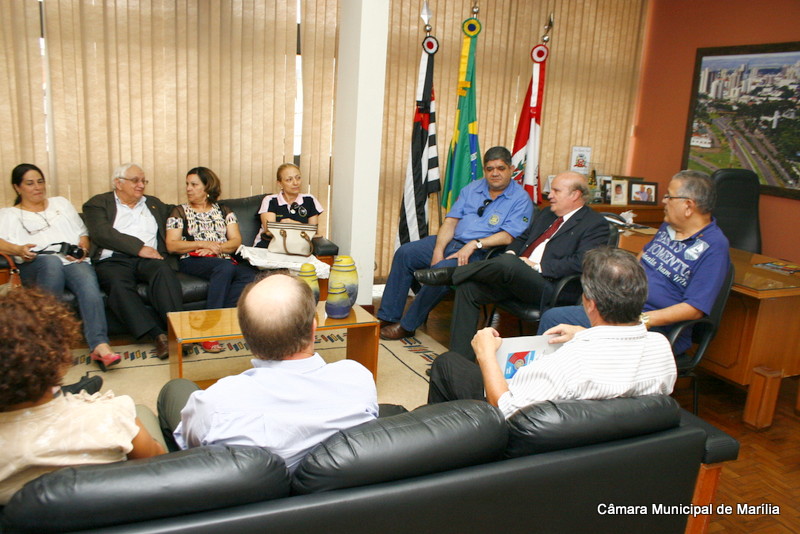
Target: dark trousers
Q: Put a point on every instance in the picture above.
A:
(226, 280)
(500, 278)
(454, 377)
(118, 276)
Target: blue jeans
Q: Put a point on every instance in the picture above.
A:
(50, 274)
(226, 281)
(408, 258)
(577, 316)
(574, 315)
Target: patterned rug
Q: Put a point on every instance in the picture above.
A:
(401, 367)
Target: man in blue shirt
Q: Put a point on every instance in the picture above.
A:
(685, 263)
(488, 213)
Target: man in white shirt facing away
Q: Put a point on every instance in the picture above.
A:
(290, 400)
(616, 357)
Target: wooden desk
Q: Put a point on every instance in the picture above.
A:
(758, 342)
(223, 324)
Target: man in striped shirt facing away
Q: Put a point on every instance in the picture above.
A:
(616, 357)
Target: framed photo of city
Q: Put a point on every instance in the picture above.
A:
(745, 113)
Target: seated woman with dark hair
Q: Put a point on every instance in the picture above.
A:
(40, 224)
(289, 205)
(206, 235)
(42, 429)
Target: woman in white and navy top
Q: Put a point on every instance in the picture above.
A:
(289, 205)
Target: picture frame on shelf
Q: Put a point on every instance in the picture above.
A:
(604, 183)
(619, 192)
(643, 193)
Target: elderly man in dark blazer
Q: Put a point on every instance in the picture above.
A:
(128, 246)
(552, 247)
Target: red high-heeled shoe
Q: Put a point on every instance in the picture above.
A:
(106, 361)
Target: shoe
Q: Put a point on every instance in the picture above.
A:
(106, 361)
(440, 276)
(162, 347)
(395, 331)
(89, 385)
(212, 346)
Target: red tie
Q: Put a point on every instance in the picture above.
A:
(546, 235)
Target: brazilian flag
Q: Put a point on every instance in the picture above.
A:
(464, 155)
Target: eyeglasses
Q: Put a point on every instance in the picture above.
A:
(670, 197)
(136, 181)
(483, 208)
(36, 222)
(297, 208)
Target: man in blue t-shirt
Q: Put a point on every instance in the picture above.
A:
(488, 213)
(685, 263)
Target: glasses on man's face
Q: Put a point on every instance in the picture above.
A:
(137, 181)
(297, 208)
(669, 197)
(483, 208)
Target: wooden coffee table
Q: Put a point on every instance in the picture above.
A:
(223, 324)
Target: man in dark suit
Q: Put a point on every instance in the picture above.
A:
(552, 247)
(128, 233)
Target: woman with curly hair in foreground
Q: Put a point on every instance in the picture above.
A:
(42, 429)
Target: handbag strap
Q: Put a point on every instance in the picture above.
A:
(303, 235)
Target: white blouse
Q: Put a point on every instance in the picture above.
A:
(59, 222)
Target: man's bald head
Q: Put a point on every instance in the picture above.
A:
(276, 315)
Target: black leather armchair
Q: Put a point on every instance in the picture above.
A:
(736, 210)
(703, 331)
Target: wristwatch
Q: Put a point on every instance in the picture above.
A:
(478, 243)
(645, 320)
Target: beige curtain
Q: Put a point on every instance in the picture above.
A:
(589, 95)
(318, 48)
(171, 85)
(22, 137)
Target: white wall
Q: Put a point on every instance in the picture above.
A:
(358, 119)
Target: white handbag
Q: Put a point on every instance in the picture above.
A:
(291, 238)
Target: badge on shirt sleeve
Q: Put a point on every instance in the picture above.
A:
(694, 252)
(494, 220)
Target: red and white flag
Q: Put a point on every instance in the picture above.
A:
(527, 142)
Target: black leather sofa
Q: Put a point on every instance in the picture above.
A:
(195, 289)
(621, 465)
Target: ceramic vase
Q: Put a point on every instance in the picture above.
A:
(343, 271)
(308, 274)
(338, 304)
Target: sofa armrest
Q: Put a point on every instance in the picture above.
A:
(720, 447)
(324, 247)
(96, 496)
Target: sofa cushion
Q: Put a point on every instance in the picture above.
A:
(205, 478)
(430, 439)
(555, 425)
(246, 210)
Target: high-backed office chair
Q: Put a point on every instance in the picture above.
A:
(566, 291)
(736, 210)
(703, 331)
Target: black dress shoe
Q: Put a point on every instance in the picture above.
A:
(395, 331)
(440, 276)
(162, 347)
(90, 385)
